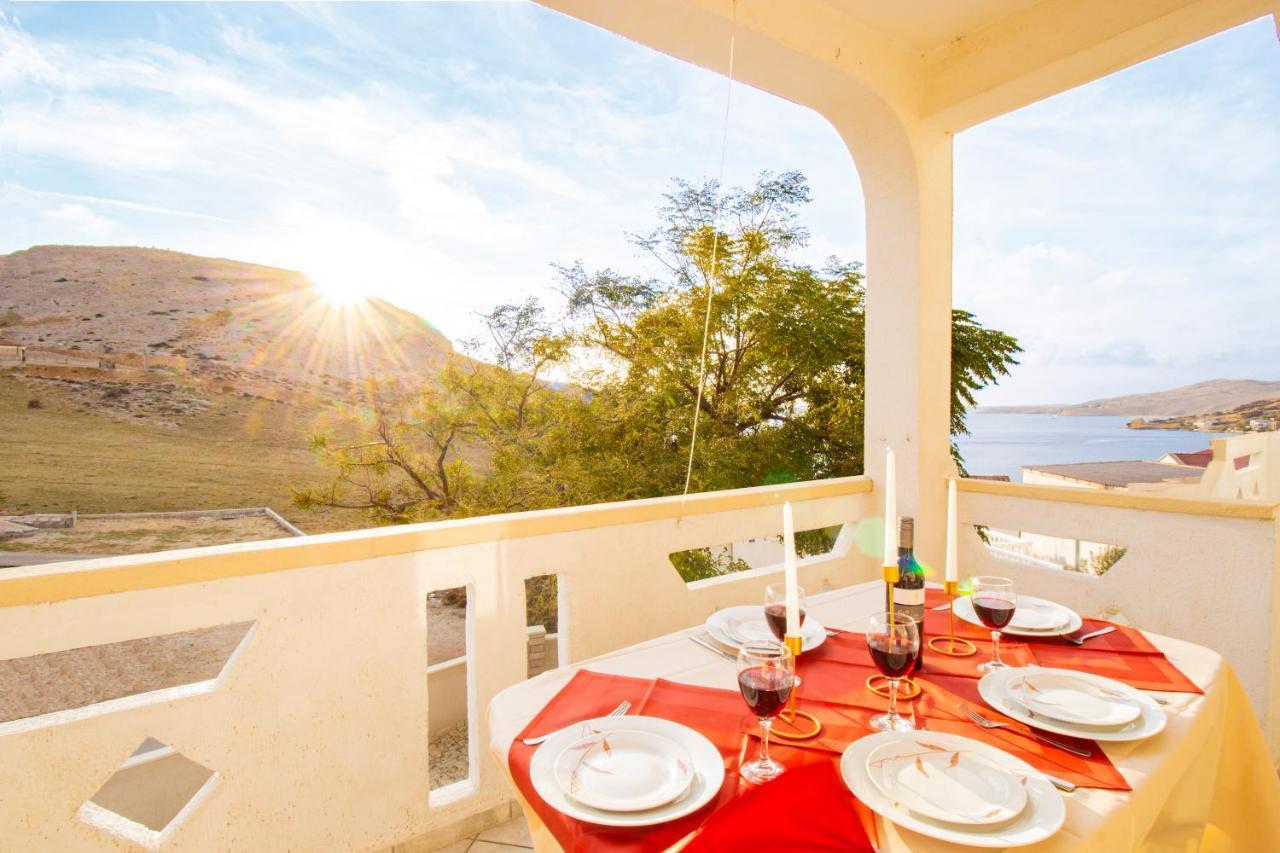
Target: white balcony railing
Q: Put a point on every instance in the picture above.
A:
(316, 728)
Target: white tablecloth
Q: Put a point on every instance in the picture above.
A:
(1205, 783)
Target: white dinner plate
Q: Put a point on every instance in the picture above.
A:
(952, 785)
(964, 609)
(994, 689)
(624, 771)
(1070, 698)
(707, 763)
(1033, 615)
(1040, 818)
(734, 625)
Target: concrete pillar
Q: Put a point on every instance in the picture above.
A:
(907, 183)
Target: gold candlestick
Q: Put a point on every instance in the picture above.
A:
(955, 646)
(792, 713)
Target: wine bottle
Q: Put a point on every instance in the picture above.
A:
(908, 592)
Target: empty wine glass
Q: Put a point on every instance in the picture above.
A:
(775, 608)
(893, 642)
(994, 601)
(766, 677)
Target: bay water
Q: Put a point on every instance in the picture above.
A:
(1001, 443)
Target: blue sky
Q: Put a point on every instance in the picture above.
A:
(443, 155)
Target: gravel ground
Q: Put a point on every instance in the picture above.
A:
(448, 756)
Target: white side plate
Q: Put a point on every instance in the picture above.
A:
(964, 609)
(1042, 817)
(624, 771)
(747, 620)
(994, 688)
(708, 771)
(1071, 698)
(956, 786)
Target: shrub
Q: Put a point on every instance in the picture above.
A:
(10, 317)
(35, 403)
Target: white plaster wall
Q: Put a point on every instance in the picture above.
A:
(318, 728)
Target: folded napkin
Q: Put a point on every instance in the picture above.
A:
(808, 808)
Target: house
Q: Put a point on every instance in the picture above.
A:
(1112, 475)
(1197, 459)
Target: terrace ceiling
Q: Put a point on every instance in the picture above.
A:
(950, 64)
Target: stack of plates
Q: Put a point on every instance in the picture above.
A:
(1034, 617)
(953, 788)
(627, 771)
(734, 626)
(1073, 703)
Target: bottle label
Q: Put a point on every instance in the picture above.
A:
(908, 597)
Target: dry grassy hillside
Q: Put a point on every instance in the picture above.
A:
(165, 381)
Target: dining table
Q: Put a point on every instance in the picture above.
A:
(1206, 782)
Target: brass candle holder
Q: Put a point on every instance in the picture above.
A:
(792, 715)
(879, 684)
(952, 645)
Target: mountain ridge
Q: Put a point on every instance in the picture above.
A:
(1209, 396)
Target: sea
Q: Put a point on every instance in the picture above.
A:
(1001, 443)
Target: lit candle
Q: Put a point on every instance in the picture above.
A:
(953, 564)
(789, 569)
(890, 510)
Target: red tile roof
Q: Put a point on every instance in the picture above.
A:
(1202, 458)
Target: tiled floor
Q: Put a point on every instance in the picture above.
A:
(505, 838)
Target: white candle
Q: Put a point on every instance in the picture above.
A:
(890, 510)
(789, 569)
(953, 564)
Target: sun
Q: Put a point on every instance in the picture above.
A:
(338, 289)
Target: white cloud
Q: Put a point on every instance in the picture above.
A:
(81, 222)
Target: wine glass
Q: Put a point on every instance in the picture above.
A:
(994, 602)
(775, 608)
(766, 676)
(894, 642)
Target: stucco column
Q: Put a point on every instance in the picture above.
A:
(907, 183)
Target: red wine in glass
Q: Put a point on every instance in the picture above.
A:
(894, 660)
(765, 690)
(776, 616)
(994, 612)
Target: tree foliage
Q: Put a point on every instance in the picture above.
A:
(781, 394)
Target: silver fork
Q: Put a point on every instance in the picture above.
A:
(622, 708)
(1079, 641)
(985, 723)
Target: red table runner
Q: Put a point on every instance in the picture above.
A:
(832, 688)
(720, 715)
(1125, 654)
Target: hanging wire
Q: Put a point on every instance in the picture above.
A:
(715, 246)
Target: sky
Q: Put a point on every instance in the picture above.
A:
(444, 155)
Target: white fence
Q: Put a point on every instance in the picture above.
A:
(316, 730)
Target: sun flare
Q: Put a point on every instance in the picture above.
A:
(339, 290)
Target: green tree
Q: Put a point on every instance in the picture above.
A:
(781, 394)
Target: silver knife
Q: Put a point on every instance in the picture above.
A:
(712, 648)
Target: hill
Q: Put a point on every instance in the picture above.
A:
(1259, 415)
(155, 380)
(1215, 395)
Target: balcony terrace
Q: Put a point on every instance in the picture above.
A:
(309, 728)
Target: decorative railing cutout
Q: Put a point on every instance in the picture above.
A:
(1053, 552)
(152, 794)
(448, 687)
(702, 563)
(542, 616)
(50, 688)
